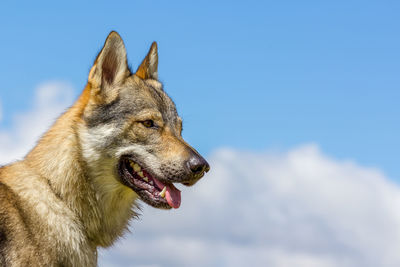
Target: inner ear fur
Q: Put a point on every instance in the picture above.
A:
(111, 66)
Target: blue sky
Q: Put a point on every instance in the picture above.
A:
(254, 74)
(309, 90)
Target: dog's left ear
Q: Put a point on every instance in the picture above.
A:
(149, 67)
(110, 67)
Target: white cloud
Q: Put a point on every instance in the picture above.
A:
(298, 208)
(50, 100)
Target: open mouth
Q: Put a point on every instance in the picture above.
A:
(151, 190)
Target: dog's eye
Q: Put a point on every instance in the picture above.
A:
(148, 123)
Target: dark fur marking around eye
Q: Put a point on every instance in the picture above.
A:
(119, 108)
(105, 113)
(116, 111)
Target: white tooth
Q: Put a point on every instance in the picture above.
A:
(162, 193)
(132, 164)
(141, 174)
(136, 167)
(151, 182)
(146, 179)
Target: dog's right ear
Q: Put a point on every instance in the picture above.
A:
(111, 66)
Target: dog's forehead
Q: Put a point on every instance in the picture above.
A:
(149, 94)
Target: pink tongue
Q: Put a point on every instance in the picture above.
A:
(172, 194)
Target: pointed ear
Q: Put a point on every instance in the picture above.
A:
(149, 67)
(111, 65)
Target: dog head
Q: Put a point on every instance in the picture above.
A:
(132, 131)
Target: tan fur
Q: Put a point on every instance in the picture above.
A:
(55, 197)
(64, 213)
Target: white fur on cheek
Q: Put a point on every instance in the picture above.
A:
(116, 200)
(92, 140)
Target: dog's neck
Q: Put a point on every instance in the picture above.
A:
(58, 158)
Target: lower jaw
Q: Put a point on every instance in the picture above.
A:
(151, 191)
(156, 204)
(148, 197)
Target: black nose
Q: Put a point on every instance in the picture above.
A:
(198, 165)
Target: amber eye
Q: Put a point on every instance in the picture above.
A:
(148, 123)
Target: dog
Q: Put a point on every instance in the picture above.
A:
(77, 189)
